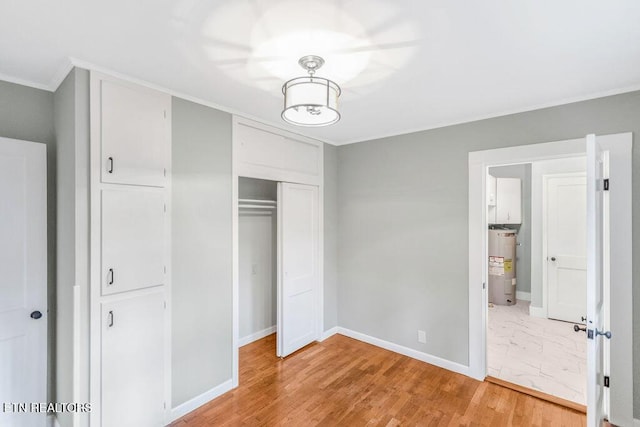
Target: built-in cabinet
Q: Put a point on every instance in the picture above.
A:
(133, 239)
(130, 184)
(135, 146)
(132, 366)
(504, 200)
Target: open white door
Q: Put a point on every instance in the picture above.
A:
(597, 212)
(23, 281)
(298, 249)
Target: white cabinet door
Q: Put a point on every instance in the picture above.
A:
(133, 239)
(135, 134)
(133, 349)
(23, 281)
(298, 293)
(491, 199)
(508, 201)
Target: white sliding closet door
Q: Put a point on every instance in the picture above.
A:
(298, 248)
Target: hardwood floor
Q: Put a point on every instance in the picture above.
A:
(345, 382)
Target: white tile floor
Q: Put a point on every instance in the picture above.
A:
(541, 354)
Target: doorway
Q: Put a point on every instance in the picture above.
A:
(525, 348)
(618, 402)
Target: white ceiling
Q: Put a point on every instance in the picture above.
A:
(403, 65)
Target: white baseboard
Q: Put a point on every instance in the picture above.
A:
(198, 401)
(326, 334)
(523, 296)
(256, 336)
(537, 312)
(415, 354)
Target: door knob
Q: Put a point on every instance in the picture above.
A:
(553, 258)
(36, 315)
(578, 328)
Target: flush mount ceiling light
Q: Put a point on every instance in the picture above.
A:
(311, 100)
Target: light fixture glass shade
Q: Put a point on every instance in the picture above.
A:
(311, 101)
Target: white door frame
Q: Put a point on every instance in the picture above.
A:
(279, 175)
(619, 146)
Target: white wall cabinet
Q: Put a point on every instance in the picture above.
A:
(135, 144)
(491, 199)
(133, 239)
(504, 200)
(133, 361)
(130, 256)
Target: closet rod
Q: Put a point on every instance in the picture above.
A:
(257, 201)
(255, 207)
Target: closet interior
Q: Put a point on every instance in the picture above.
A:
(257, 259)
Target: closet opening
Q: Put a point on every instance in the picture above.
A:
(257, 262)
(278, 266)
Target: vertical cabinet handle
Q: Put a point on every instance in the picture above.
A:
(110, 166)
(110, 277)
(110, 319)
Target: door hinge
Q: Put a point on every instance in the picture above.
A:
(164, 405)
(165, 304)
(606, 380)
(605, 184)
(165, 269)
(165, 208)
(164, 172)
(165, 114)
(484, 285)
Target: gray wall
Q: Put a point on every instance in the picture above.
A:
(403, 222)
(330, 237)
(523, 252)
(71, 112)
(201, 250)
(27, 114)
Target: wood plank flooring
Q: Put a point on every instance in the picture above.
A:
(345, 382)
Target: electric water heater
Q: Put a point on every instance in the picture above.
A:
(502, 267)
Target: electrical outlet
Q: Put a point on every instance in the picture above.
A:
(422, 337)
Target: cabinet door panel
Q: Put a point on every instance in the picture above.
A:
(508, 201)
(133, 240)
(133, 361)
(135, 135)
